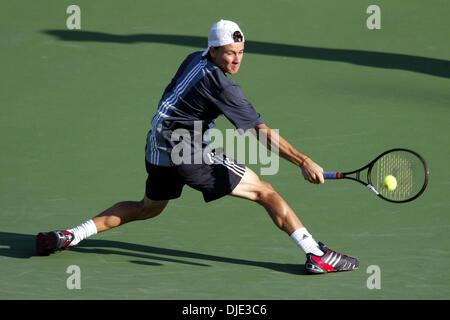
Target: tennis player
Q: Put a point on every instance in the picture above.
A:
(199, 92)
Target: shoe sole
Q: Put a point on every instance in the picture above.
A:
(313, 269)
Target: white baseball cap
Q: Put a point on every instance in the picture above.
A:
(223, 33)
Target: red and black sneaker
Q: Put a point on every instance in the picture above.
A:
(331, 261)
(49, 242)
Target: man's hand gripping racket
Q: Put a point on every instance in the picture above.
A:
(312, 171)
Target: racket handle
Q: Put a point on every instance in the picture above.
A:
(332, 175)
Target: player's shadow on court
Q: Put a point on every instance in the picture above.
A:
(430, 66)
(22, 246)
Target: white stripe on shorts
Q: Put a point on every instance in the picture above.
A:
(230, 165)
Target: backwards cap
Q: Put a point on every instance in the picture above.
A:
(222, 33)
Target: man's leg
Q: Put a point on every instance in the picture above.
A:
(118, 214)
(319, 259)
(128, 211)
(251, 187)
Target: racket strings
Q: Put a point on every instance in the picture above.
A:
(401, 167)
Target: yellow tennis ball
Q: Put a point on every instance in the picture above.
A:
(390, 182)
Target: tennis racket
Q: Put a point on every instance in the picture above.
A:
(407, 167)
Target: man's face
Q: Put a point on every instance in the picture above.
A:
(228, 57)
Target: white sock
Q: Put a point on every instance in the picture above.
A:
(83, 231)
(306, 242)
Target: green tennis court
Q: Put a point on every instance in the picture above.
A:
(76, 105)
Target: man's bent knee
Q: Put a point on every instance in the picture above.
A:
(152, 208)
(251, 187)
(266, 193)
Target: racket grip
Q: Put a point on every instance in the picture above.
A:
(332, 175)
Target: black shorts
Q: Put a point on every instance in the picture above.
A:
(214, 180)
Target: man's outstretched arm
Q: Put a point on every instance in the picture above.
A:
(276, 143)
